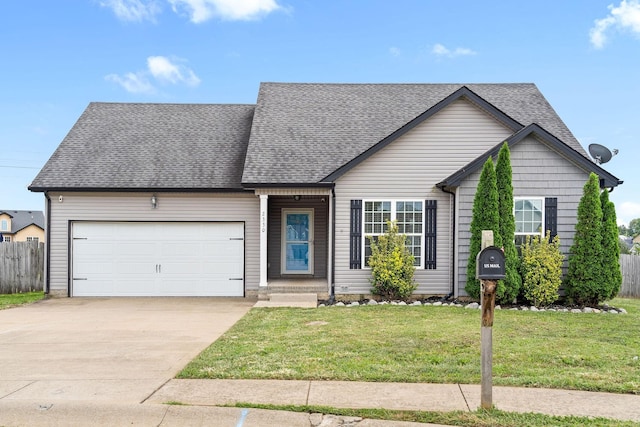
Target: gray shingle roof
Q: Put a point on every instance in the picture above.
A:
(302, 133)
(151, 146)
(22, 219)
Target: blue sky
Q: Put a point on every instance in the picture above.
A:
(57, 56)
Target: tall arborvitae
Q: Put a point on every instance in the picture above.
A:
(508, 288)
(584, 281)
(485, 217)
(610, 245)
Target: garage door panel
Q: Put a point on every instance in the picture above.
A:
(158, 259)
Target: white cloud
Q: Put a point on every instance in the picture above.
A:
(441, 50)
(132, 82)
(232, 10)
(159, 68)
(627, 211)
(165, 71)
(394, 51)
(626, 16)
(133, 10)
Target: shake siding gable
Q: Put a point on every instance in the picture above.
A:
(408, 169)
(178, 207)
(538, 171)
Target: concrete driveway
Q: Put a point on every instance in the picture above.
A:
(105, 349)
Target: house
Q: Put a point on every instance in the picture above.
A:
(239, 200)
(21, 226)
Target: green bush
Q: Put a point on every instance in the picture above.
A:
(541, 269)
(391, 265)
(586, 282)
(509, 288)
(484, 217)
(610, 246)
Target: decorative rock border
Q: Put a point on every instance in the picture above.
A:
(604, 309)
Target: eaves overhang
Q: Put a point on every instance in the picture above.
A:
(607, 179)
(43, 189)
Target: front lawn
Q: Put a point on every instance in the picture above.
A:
(13, 300)
(588, 351)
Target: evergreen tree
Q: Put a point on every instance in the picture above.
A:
(584, 281)
(610, 245)
(485, 217)
(508, 288)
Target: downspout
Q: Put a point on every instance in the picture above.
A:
(453, 243)
(332, 296)
(47, 283)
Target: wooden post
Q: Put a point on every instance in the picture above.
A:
(488, 301)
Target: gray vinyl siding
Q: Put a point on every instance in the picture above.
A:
(408, 169)
(538, 171)
(320, 236)
(137, 207)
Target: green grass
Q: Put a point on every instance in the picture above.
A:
(14, 300)
(480, 418)
(593, 352)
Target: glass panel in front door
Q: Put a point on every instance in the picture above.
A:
(297, 242)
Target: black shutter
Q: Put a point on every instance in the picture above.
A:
(551, 216)
(355, 236)
(430, 234)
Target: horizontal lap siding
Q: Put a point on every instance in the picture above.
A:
(408, 169)
(538, 171)
(179, 207)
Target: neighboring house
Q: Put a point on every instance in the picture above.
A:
(192, 199)
(626, 241)
(21, 226)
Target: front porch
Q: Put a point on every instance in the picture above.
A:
(295, 241)
(319, 287)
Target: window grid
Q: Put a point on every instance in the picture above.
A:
(409, 218)
(529, 218)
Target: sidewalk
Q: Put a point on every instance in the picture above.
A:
(194, 403)
(417, 397)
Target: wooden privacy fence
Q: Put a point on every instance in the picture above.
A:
(630, 266)
(21, 267)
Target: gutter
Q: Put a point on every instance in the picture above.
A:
(47, 282)
(332, 296)
(453, 243)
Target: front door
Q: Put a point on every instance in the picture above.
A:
(297, 241)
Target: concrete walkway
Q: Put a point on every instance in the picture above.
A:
(414, 397)
(111, 362)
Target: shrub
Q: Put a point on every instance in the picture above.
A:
(610, 246)
(584, 281)
(509, 288)
(485, 217)
(391, 265)
(541, 269)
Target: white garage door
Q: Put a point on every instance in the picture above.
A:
(157, 259)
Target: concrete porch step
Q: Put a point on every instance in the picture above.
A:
(306, 300)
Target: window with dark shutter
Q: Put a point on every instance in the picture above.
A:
(551, 215)
(430, 234)
(355, 236)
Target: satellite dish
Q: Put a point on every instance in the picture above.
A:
(600, 153)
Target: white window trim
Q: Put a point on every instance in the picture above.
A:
(393, 217)
(542, 199)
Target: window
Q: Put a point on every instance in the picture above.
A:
(529, 216)
(4, 225)
(32, 239)
(409, 217)
(6, 239)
